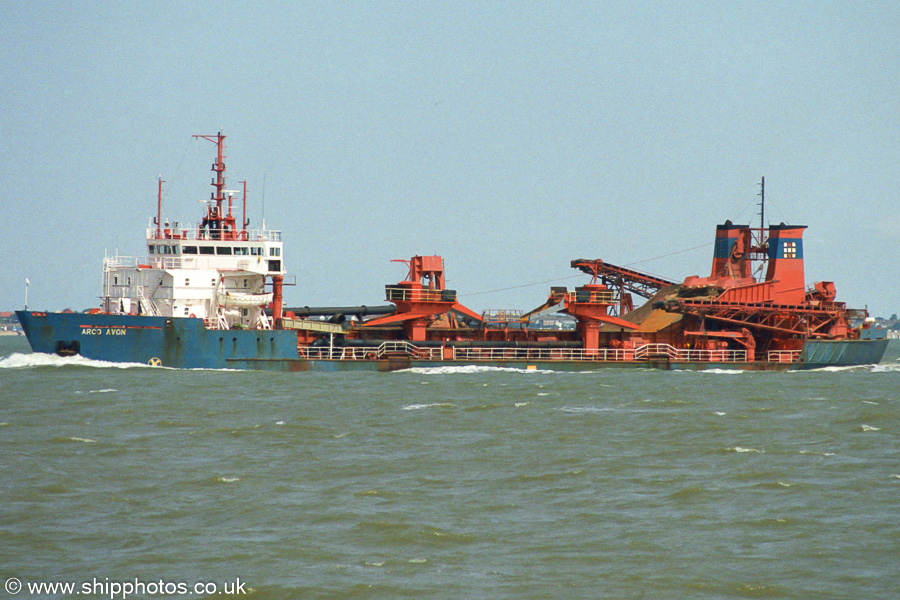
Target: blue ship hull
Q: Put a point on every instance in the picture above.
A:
(182, 343)
(186, 343)
(817, 354)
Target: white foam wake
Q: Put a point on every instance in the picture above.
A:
(719, 371)
(452, 370)
(37, 359)
(421, 406)
(742, 450)
(890, 367)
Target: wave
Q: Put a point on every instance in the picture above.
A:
(18, 360)
(742, 450)
(586, 409)
(720, 371)
(843, 368)
(891, 367)
(37, 359)
(469, 369)
(421, 406)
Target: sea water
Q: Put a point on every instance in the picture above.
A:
(448, 483)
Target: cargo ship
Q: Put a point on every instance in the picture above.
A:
(211, 296)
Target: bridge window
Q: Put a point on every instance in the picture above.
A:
(189, 250)
(207, 250)
(223, 250)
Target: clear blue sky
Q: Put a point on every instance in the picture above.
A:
(508, 137)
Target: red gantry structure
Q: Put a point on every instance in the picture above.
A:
(421, 297)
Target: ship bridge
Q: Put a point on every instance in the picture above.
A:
(256, 251)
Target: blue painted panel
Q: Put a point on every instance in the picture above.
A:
(828, 353)
(724, 247)
(786, 248)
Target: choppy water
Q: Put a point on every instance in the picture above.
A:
(470, 483)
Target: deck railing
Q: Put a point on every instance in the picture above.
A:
(786, 356)
(371, 352)
(394, 293)
(195, 233)
(593, 296)
(642, 353)
(542, 354)
(211, 262)
(648, 351)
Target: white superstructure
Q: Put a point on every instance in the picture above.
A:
(187, 274)
(216, 271)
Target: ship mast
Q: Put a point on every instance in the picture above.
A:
(221, 226)
(244, 221)
(762, 204)
(761, 250)
(158, 220)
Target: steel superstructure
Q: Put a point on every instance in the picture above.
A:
(211, 295)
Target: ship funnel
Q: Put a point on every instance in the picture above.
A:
(785, 270)
(730, 256)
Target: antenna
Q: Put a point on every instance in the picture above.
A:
(762, 204)
(159, 208)
(244, 220)
(762, 241)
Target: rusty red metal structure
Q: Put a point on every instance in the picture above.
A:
(420, 296)
(730, 310)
